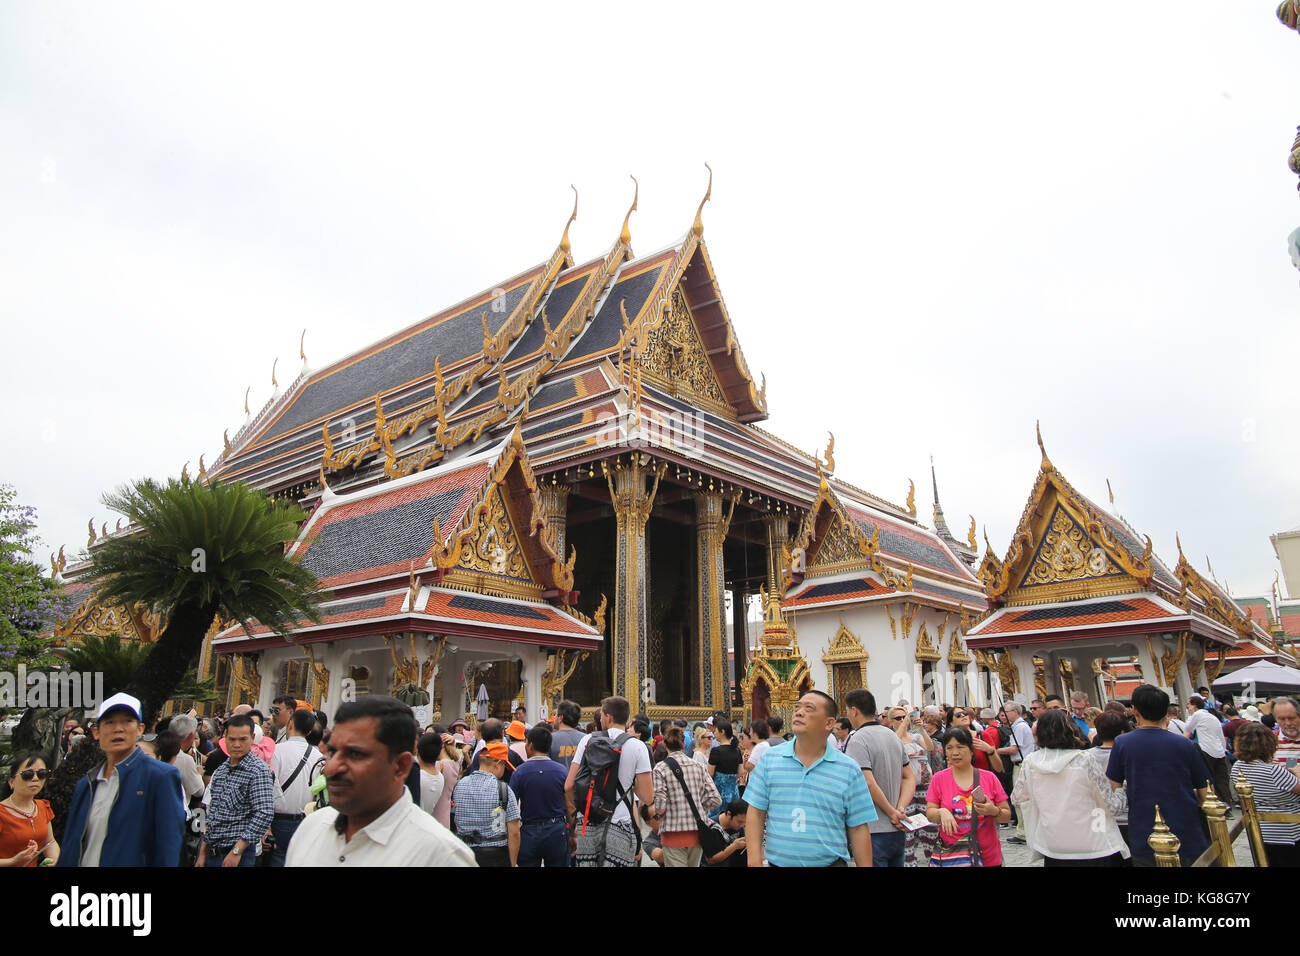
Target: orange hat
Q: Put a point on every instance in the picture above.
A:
(516, 730)
(497, 750)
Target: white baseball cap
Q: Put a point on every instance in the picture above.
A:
(117, 701)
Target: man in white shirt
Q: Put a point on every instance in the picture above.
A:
(295, 764)
(1021, 746)
(613, 843)
(371, 819)
(1204, 729)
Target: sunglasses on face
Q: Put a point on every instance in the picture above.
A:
(33, 774)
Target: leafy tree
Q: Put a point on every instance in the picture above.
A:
(201, 550)
(29, 602)
(117, 660)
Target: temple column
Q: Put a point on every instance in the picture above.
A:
(739, 640)
(555, 508)
(710, 532)
(630, 635)
(778, 537)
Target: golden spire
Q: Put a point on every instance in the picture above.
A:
(274, 383)
(911, 497)
(1178, 541)
(987, 543)
(698, 227)
(970, 535)
(90, 526)
(829, 454)
(625, 237)
(246, 391)
(564, 239)
(225, 440)
(302, 354)
(1038, 432)
(203, 471)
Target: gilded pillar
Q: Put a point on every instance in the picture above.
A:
(555, 508)
(739, 639)
(778, 539)
(632, 502)
(710, 532)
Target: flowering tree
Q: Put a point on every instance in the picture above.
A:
(29, 602)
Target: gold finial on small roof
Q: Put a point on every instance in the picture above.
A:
(246, 391)
(185, 472)
(1038, 432)
(970, 535)
(225, 440)
(564, 239)
(911, 497)
(625, 237)
(698, 227)
(323, 483)
(1110, 492)
(829, 454)
(203, 471)
(987, 543)
(302, 354)
(90, 526)
(1179, 541)
(274, 383)
(103, 532)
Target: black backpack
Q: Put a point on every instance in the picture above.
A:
(596, 788)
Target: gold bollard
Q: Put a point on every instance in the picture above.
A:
(1216, 814)
(1249, 813)
(1163, 842)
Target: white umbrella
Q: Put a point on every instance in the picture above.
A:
(481, 699)
(1264, 676)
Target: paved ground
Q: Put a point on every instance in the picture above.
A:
(1015, 855)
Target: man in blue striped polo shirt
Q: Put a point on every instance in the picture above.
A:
(812, 799)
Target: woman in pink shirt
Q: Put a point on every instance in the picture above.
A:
(952, 801)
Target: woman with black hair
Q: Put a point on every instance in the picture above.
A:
(724, 766)
(1064, 794)
(25, 837)
(963, 797)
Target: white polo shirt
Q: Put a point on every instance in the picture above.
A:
(1209, 733)
(97, 817)
(403, 835)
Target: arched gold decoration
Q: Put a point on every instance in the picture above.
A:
(925, 651)
(320, 678)
(846, 664)
(558, 671)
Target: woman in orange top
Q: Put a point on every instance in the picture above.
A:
(25, 821)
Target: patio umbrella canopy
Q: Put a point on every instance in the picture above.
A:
(1265, 676)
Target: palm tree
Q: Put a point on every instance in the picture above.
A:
(201, 550)
(118, 662)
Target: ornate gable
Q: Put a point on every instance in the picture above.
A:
(675, 359)
(1067, 555)
(492, 555)
(838, 552)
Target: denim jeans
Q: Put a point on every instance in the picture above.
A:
(544, 843)
(887, 848)
(248, 858)
(283, 831)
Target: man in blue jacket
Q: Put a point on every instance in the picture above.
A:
(128, 810)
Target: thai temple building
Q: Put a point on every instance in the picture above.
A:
(561, 487)
(1080, 602)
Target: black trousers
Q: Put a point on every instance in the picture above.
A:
(492, 855)
(1218, 767)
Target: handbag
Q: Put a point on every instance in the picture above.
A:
(712, 842)
(965, 852)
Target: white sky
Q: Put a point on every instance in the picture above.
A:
(932, 226)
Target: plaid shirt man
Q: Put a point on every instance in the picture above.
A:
(670, 800)
(242, 804)
(477, 799)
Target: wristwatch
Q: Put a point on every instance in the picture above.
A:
(236, 851)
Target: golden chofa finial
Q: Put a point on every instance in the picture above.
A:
(1179, 541)
(203, 471)
(564, 239)
(911, 497)
(90, 526)
(829, 455)
(1038, 433)
(302, 339)
(970, 535)
(274, 383)
(1110, 492)
(987, 544)
(225, 440)
(625, 237)
(698, 227)
(185, 472)
(246, 393)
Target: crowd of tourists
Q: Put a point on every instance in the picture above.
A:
(935, 786)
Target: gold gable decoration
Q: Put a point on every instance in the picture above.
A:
(673, 355)
(957, 652)
(925, 651)
(839, 552)
(93, 619)
(492, 555)
(1067, 554)
(849, 547)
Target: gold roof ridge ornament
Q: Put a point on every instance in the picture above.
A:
(302, 354)
(246, 393)
(565, 245)
(1038, 433)
(970, 536)
(829, 455)
(57, 564)
(185, 472)
(203, 471)
(697, 228)
(225, 441)
(1110, 492)
(625, 237)
(274, 384)
(90, 526)
(911, 497)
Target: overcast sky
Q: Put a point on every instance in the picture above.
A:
(932, 226)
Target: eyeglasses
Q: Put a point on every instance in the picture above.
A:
(274, 711)
(960, 713)
(33, 774)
